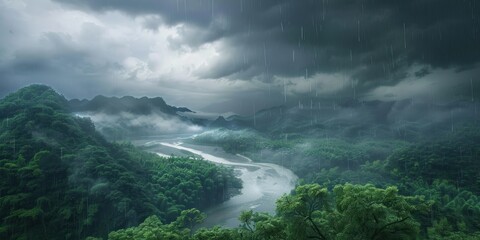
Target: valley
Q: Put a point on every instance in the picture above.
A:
(66, 174)
(262, 183)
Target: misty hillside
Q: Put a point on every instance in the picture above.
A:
(114, 105)
(126, 117)
(240, 120)
(404, 120)
(438, 166)
(60, 179)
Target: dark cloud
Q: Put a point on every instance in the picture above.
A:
(422, 72)
(368, 45)
(59, 63)
(152, 22)
(375, 37)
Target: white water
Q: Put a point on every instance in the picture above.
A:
(263, 184)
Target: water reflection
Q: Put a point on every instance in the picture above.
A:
(263, 183)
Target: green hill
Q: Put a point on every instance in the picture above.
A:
(60, 179)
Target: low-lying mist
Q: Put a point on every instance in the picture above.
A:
(124, 125)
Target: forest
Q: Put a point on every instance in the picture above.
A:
(440, 173)
(240, 119)
(60, 179)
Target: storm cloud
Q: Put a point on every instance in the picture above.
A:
(220, 52)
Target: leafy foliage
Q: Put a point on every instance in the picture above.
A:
(453, 157)
(311, 212)
(443, 169)
(61, 180)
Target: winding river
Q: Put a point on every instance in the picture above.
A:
(263, 183)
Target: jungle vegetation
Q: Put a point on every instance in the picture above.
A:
(60, 179)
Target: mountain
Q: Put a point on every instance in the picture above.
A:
(406, 119)
(114, 105)
(231, 123)
(126, 117)
(60, 179)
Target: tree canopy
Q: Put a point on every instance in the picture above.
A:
(60, 179)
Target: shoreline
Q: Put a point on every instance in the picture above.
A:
(262, 183)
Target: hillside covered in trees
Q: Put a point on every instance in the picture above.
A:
(440, 170)
(60, 179)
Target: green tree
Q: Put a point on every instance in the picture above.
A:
(189, 218)
(366, 212)
(215, 233)
(357, 212)
(306, 212)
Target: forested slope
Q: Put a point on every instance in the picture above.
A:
(61, 180)
(442, 169)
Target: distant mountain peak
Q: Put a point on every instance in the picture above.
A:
(115, 105)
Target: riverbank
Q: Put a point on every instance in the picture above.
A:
(263, 183)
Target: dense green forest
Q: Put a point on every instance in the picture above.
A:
(315, 212)
(311, 212)
(443, 171)
(61, 180)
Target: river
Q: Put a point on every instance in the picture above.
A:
(263, 183)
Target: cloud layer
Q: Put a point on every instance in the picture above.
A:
(218, 52)
(139, 125)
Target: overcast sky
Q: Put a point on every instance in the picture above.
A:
(243, 55)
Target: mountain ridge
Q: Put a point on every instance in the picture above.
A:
(115, 105)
